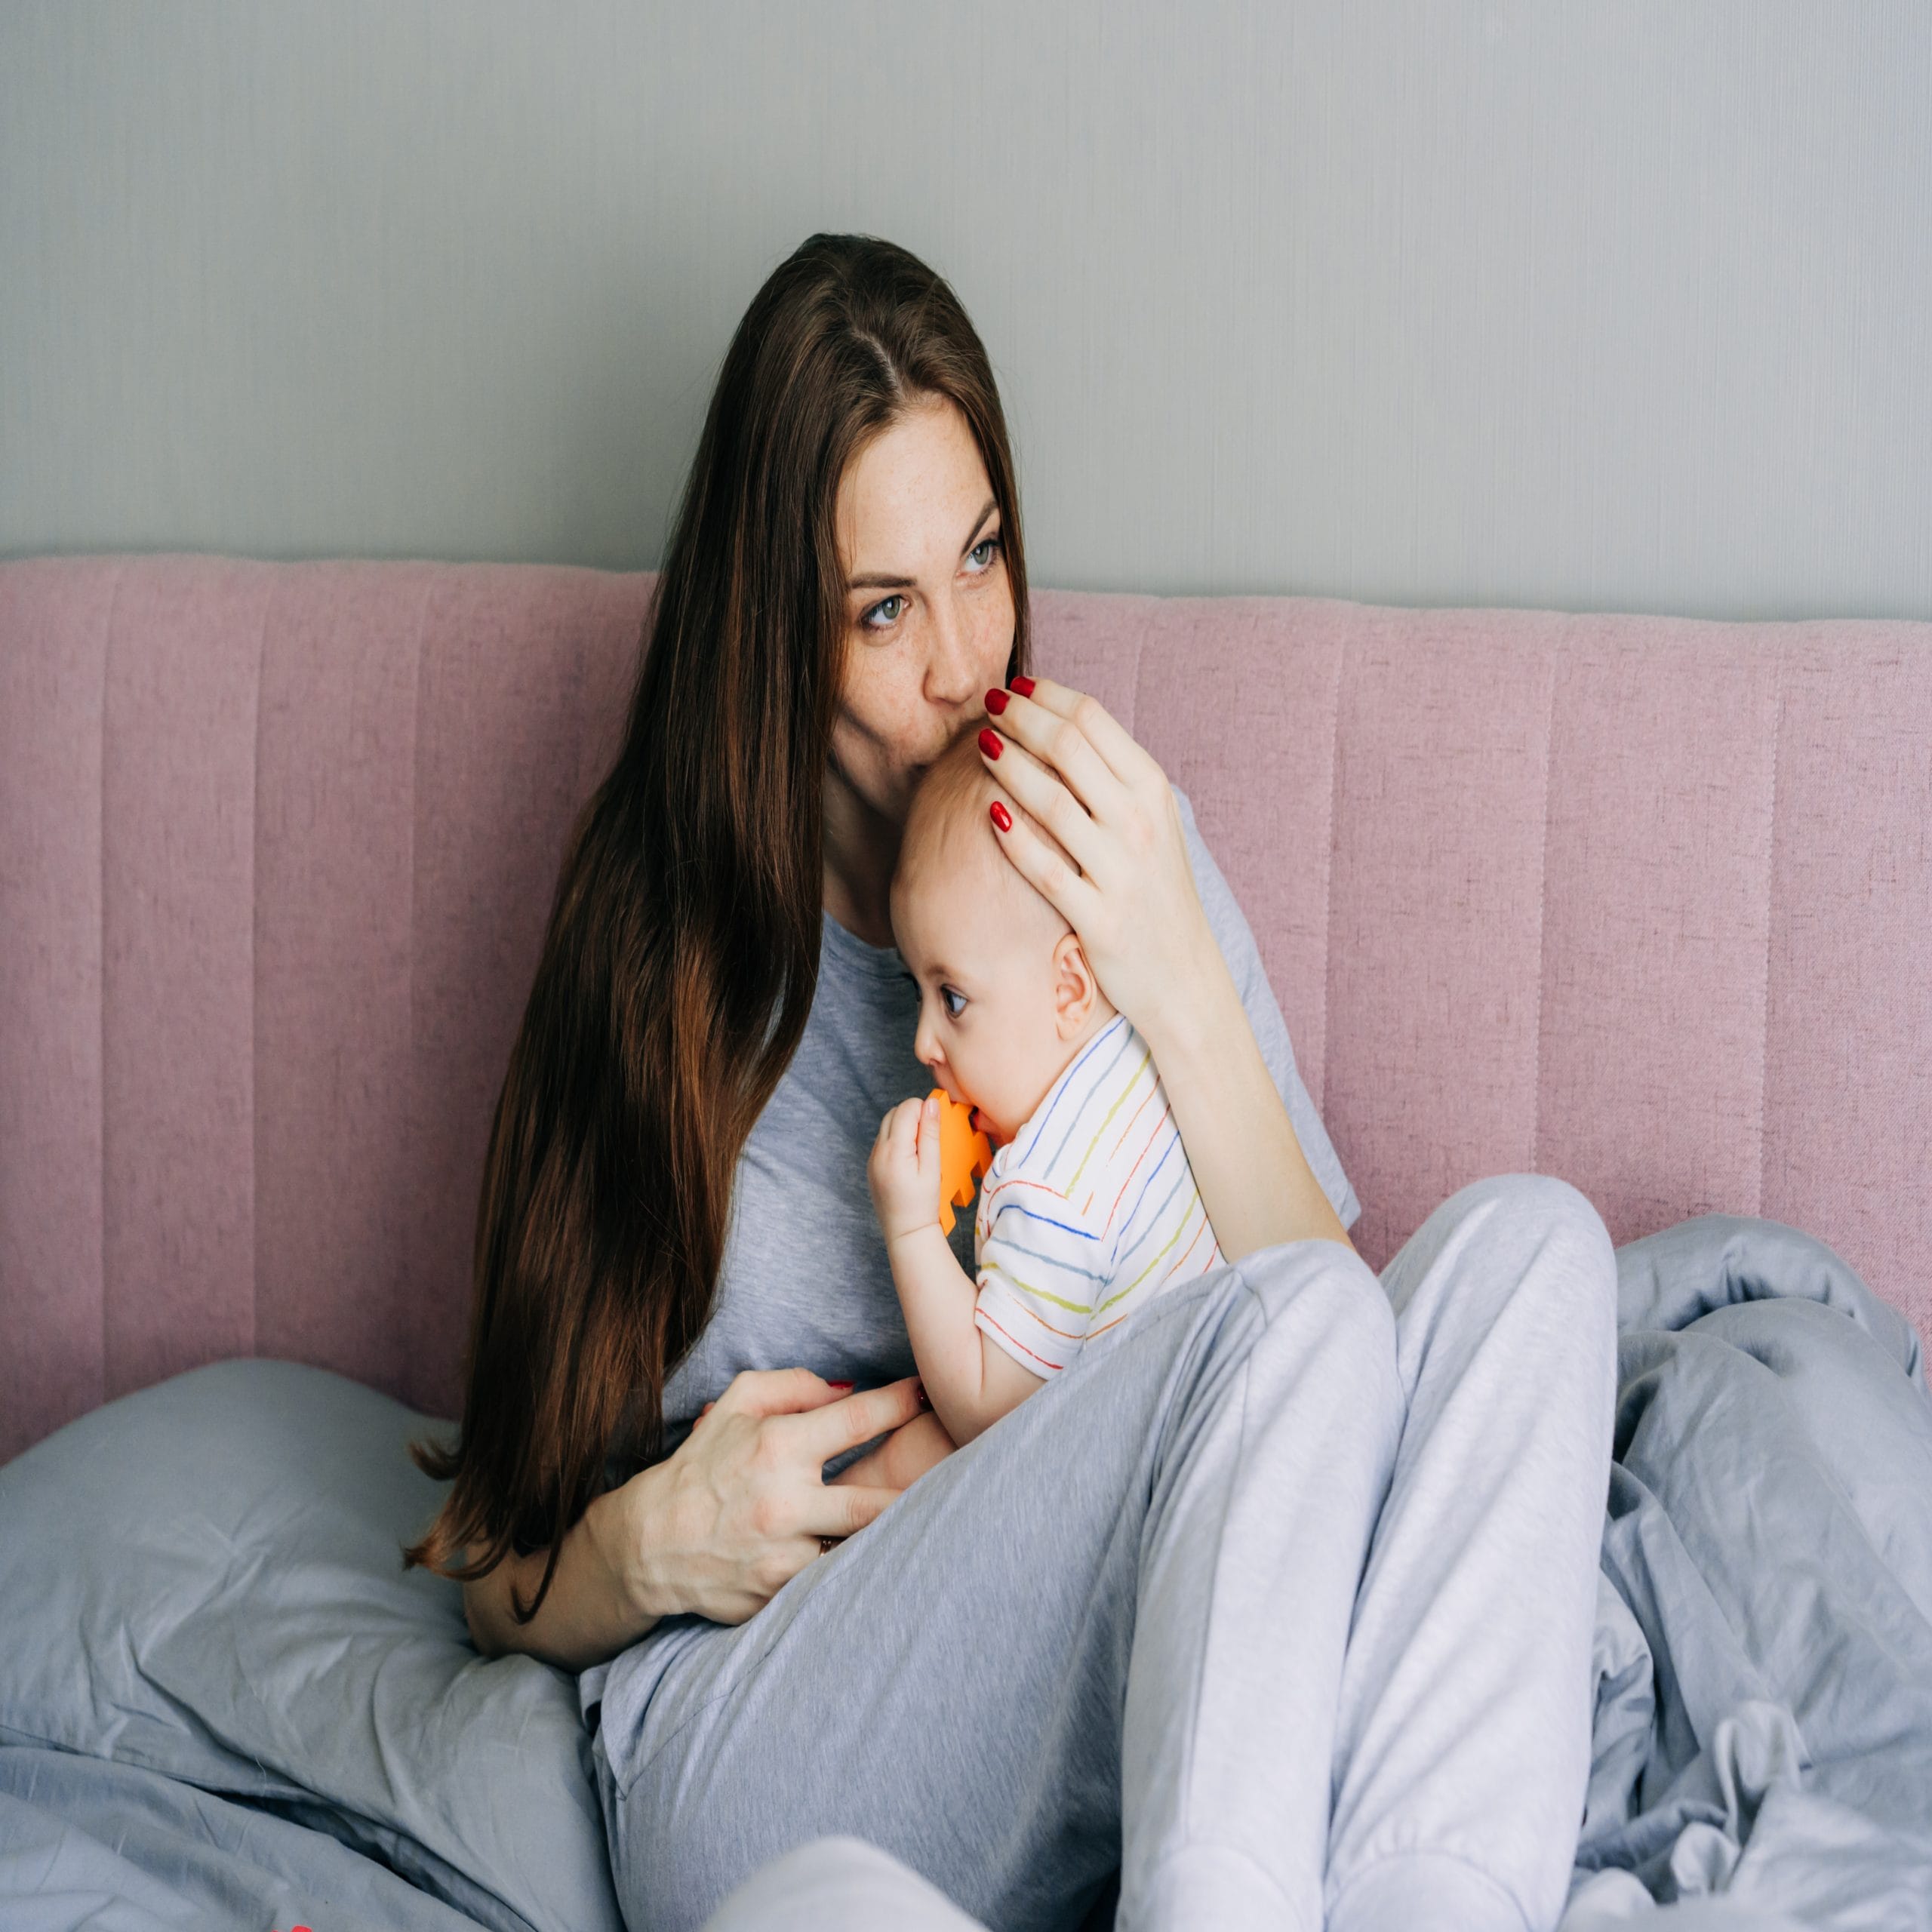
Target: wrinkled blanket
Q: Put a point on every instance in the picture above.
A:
(1764, 1643)
(1763, 1732)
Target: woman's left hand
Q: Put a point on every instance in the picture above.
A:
(1073, 768)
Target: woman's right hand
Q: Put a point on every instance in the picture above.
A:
(718, 1528)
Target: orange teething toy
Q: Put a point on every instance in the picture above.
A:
(965, 1154)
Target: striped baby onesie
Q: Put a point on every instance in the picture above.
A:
(1089, 1210)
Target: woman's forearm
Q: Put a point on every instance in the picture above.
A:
(587, 1614)
(1254, 1179)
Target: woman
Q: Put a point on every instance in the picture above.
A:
(1281, 1601)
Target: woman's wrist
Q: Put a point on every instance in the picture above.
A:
(1202, 1019)
(617, 1525)
(587, 1614)
(1248, 1163)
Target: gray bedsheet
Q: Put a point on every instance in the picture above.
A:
(85, 1841)
(1764, 1651)
(1764, 1647)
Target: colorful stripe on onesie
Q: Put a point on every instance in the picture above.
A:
(1090, 1209)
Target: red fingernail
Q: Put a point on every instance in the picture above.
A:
(1024, 685)
(1001, 816)
(838, 1385)
(989, 743)
(919, 1390)
(996, 702)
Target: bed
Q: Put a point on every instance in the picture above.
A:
(1638, 902)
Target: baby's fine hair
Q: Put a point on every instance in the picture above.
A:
(956, 787)
(950, 805)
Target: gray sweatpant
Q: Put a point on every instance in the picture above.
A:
(1280, 1599)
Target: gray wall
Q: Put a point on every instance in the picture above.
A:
(1597, 305)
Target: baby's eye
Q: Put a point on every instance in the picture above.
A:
(953, 1000)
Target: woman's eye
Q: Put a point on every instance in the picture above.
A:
(953, 1000)
(898, 604)
(989, 544)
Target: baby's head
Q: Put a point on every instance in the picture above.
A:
(1006, 996)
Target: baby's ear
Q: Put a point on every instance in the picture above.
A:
(1076, 992)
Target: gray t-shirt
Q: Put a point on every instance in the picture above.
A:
(804, 1281)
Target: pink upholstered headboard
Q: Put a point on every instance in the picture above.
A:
(1642, 903)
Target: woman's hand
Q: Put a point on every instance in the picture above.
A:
(904, 1456)
(1072, 768)
(718, 1528)
(1129, 895)
(901, 1459)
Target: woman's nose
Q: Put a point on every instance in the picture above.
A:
(952, 669)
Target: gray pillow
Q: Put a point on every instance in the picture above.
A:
(205, 1580)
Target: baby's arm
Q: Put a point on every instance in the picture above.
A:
(970, 1381)
(903, 1457)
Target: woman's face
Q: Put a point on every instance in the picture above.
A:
(928, 605)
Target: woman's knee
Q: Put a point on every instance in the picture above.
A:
(1542, 1201)
(1537, 1233)
(1328, 1271)
(1321, 1294)
(1564, 1221)
(1285, 1302)
(842, 1882)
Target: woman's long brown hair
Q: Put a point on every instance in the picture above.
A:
(681, 954)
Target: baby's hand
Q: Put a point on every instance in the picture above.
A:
(904, 1169)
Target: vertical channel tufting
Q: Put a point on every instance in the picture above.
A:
(255, 1084)
(391, 838)
(333, 1139)
(415, 1373)
(1235, 702)
(1336, 1047)
(255, 981)
(1437, 852)
(1848, 1077)
(1652, 1030)
(100, 957)
(54, 621)
(1535, 1161)
(1085, 640)
(177, 892)
(523, 691)
(1151, 617)
(1331, 833)
(1770, 939)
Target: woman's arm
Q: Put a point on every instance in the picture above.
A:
(587, 1615)
(1133, 900)
(1237, 947)
(1254, 1178)
(715, 1529)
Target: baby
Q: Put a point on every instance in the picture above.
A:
(1090, 1208)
